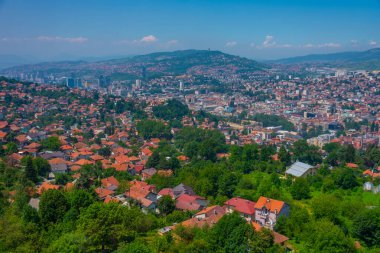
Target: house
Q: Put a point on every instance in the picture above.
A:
(244, 207)
(300, 169)
(45, 186)
(142, 193)
(58, 165)
(147, 173)
(268, 210)
(368, 186)
(164, 192)
(188, 202)
(103, 193)
(182, 189)
(110, 183)
(207, 217)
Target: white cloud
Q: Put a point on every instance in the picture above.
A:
(329, 45)
(62, 39)
(324, 45)
(269, 41)
(148, 39)
(372, 43)
(354, 43)
(308, 45)
(172, 42)
(231, 44)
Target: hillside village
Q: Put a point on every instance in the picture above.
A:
(63, 139)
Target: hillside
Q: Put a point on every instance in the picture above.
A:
(369, 60)
(200, 62)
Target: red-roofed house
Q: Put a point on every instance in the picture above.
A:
(187, 202)
(103, 193)
(207, 217)
(244, 207)
(165, 191)
(47, 186)
(110, 183)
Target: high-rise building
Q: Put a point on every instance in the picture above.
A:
(138, 84)
(70, 82)
(181, 86)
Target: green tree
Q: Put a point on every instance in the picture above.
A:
(166, 205)
(366, 227)
(30, 171)
(51, 143)
(11, 148)
(284, 156)
(325, 237)
(53, 206)
(41, 166)
(300, 189)
(68, 243)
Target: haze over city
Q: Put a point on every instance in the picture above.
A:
(71, 29)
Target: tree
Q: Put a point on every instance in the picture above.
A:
(30, 171)
(51, 143)
(105, 151)
(53, 206)
(326, 206)
(300, 189)
(323, 236)
(166, 205)
(366, 227)
(41, 166)
(106, 225)
(284, 156)
(11, 148)
(345, 178)
(305, 153)
(70, 242)
(262, 241)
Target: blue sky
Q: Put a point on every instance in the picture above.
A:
(265, 29)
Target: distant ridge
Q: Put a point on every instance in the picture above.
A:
(368, 60)
(200, 62)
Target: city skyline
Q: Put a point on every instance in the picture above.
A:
(271, 30)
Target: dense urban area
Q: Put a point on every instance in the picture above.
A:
(189, 151)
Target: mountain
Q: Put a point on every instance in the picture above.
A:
(156, 64)
(368, 60)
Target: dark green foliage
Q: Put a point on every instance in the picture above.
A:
(30, 171)
(153, 129)
(166, 205)
(284, 156)
(199, 143)
(51, 143)
(324, 236)
(306, 153)
(366, 227)
(345, 178)
(53, 206)
(11, 148)
(273, 120)
(173, 109)
(231, 234)
(300, 189)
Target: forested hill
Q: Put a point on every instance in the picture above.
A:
(369, 60)
(162, 63)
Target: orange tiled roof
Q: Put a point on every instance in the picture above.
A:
(270, 204)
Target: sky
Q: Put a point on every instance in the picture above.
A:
(265, 29)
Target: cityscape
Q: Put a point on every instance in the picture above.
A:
(147, 145)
